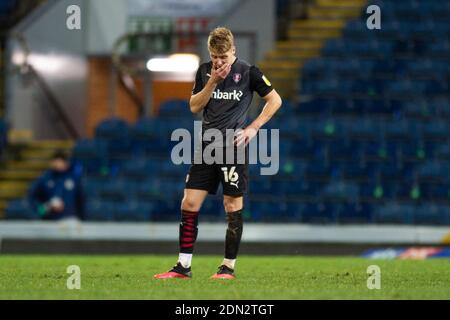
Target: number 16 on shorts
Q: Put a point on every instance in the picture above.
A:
(230, 176)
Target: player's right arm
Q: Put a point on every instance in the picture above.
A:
(200, 99)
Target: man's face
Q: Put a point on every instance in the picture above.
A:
(219, 59)
(59, 165)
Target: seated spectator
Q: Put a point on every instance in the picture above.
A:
(57, 193)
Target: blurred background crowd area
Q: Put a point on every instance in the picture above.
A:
(364, 126)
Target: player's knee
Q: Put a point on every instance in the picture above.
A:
(190, 205)
(232, 205)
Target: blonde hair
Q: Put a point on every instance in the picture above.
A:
(220, 40)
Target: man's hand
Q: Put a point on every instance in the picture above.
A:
(244, 136)
(56, 205)
(199, 100)
(218, 75)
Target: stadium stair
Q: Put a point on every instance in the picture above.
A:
(2, 81)
(26, 162)
(11, 13)
(326, 19)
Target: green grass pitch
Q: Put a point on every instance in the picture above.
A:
(258, 277)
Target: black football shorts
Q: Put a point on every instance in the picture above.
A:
(233, 176)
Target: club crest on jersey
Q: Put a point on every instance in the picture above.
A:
(237, 77)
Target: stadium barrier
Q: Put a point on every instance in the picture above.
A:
(162, 238)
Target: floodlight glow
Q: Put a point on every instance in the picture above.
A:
(174, 63)
(46, 63)
(18, 58)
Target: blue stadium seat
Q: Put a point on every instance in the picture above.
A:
(305, 149)
(357, 171)
(439, 26)
(436, 130)
(320, 213)
(436, 191)
(415, 151)
(375, 151)
(373, 191)
(434, 171)
(315, 106)
(149, 190)
(394, 170)
(395, 213)
(439, 48)
(294, 169)
(171, 170)
(355, 213)
(355, 28)
(263, 187)
(438, 86)
(365, 129)
(145, 137)
(140, 169)
(348, 150)
(3, 135)
(398, 130)
(418, 109)
(98, 210)
(328, 129)
(432, 214)
(344, 66)
(333, 47)
(409, 191)
(440, 107)
(443, 152)
(302, 189)
(270, 211)
(343, 106)
(133, 211)
(313, 68)
(340, 191)
(116, 190)
(92, 185)
(420, 67)
(113, 128)
(144, 128)
(406, 88)
(371, 48)
(175, 108)
(171, 189)
(293, 210)
(212, 211)
(287, 109)
(166, 210)
(115, 132)
(20, 209)
(318, 170)
(92, 155)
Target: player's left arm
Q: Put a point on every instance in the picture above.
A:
(273, 103)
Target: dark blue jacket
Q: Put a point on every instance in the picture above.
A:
(66, 186)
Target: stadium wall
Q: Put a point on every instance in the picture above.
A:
(57, 54)
(106, 21)
(72, 237)
(256, 16)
